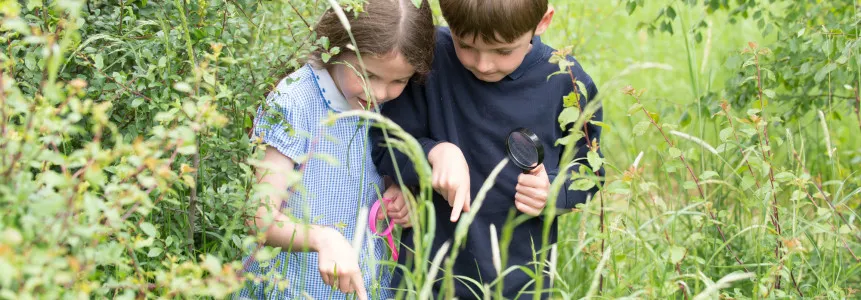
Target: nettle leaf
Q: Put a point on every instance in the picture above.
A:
(675, 152)
(708, 174)
(676, 254)
(784, 176)
(594, 159)
(725, 134)
(569, 115)
(148, 228)
(641, 128)
(572, 99)
(820, 75)
(636, 107)
(747, 182)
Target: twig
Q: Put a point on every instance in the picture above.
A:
(766, 154)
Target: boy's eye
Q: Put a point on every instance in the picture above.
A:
(503, 52)
(462, 46)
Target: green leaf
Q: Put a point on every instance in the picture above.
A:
(636, 107)
(820, 75)
(631, 6)
(769, 93)
(784, 176)
(641, 128)
(148, 228)
(153, 252)
(675, 152)
(137, 102)
(182, 87)
(572, 99)
(725, 134)
(595, 160)
(708, 174)
(689, 185)
(99, 62)
(676, 254)
(747, 182)
(569, 115)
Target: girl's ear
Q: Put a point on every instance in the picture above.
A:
(545, 21)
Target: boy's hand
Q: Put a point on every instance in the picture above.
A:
(396, 210)
(532, 190)
(338, 262)
(450, 177)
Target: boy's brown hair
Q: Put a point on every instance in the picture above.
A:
(382, 27)
(495, 21)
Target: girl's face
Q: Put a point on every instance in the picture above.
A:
(387, 77)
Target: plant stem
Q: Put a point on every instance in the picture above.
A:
(696, 180)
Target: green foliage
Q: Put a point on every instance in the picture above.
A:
(126, 168)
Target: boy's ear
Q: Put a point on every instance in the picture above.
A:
(545, 21)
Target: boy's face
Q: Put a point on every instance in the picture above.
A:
(491, 62)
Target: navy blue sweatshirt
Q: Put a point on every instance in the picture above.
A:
(452, 105)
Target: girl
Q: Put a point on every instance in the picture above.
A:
(315, 226)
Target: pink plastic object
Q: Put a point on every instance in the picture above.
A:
(372, 220)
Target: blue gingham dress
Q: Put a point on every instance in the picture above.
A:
(331, 194)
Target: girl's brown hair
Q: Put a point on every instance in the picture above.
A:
(382, 27)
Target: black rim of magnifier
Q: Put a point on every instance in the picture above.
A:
(535, 142)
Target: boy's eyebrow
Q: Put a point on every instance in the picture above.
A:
(462, 44)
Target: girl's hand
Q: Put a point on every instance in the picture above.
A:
(450, 177)
(396, 210)
(338, 262)
(532, 190)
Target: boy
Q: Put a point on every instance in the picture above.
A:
(489, 76)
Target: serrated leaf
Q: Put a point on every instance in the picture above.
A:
(148, 228)
(641, 128)
(769, 93)
(725, 134)
(676, 254)
(747, 182)
(675, 152)
(594, 159)
(137, 102)
(820, 75)
(689, 185)
(182, 87)
(569, 115)
(636, 107)
(708, 174)
(784, 176)
(99, 61)
(153, 252)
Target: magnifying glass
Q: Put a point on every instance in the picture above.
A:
(524, 149)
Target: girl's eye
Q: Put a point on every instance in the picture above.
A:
(372, 77)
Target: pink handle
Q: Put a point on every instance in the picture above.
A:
(372, 220)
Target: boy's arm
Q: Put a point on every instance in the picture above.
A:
(568, 199)
(409, 111)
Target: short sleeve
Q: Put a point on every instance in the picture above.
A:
(281, 124)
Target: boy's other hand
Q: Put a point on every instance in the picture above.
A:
(450, 177)
(397, 209)
(532, 190)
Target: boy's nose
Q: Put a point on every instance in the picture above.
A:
(483, 64)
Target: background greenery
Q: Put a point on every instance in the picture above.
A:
(126, 167)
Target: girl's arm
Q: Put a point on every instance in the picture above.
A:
(282, 232)
(338, 263)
